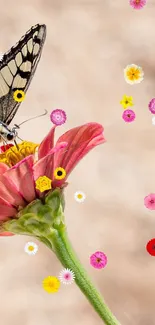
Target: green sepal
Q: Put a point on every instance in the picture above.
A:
(39, 218)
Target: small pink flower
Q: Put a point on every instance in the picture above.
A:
(152, 106)
(128, 115)
(98, 260)
(137, 4)
(58, 117)
(149, 201)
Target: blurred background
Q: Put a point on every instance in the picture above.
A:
(89, 43)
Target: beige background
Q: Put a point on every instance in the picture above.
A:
(89, 42)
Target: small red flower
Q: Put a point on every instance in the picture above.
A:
(150, 247)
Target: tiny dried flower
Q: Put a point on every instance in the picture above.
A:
(126, 101)
(149, 201)
(98, 260)
(133, 74)
(31, 248)
(137, 4)
(51, 284)
(128, 115)
(150, 247)
(19, 95)
(58, 117)
(79, 196)
(43, 183)
(59, 173)
(67, 276)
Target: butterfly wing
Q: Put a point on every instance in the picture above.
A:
(17, 68)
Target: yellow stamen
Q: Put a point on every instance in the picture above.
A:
(13, 155)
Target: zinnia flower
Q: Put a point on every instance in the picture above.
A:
(36, 208)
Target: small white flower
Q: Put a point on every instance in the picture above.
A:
(66, 276)
(153, 120)
(79, 196)
(31, 248)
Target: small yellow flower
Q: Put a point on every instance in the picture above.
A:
(126, 101)
(51, 284)
(59, 173)
(133, 74)
(43, 183)
(19, 95)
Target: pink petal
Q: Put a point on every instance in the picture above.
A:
(3, 168)
(45, 166)
(6, 210)
(47, 144)
(80, 141)
(6, 233)
(9, 191)
(22, 176)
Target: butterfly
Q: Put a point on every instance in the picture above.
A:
(17, 67)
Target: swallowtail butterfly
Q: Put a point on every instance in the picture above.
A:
(17, 68)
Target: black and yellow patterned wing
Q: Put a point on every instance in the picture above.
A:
(17, 68)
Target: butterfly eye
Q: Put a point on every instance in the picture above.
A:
(10, 136)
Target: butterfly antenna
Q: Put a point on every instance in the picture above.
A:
(31, 118)
(19, 138)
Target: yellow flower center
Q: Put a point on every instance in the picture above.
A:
(31, 248)
(15, 154)
(80, 196)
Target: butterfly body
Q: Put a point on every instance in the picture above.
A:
(17, 68)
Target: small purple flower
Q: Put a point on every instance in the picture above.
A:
(128, 115)
(58, 117)
(152, 106)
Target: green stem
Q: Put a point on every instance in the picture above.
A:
(63, 249)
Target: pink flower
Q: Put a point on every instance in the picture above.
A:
(149, 201)
(58, 117)
(98, 260)
(128, 115)
(152, 106)
(17, 184)
(137, 4)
